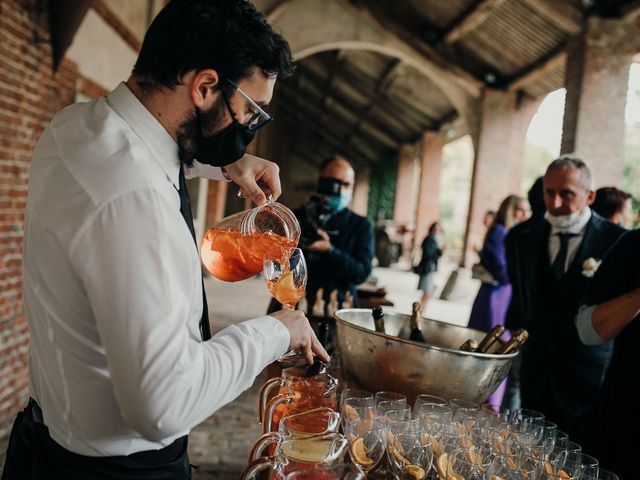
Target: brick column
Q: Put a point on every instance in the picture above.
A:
(597, 76)
(429, 189)
(360, 201)
(498, 164)
(405, 201)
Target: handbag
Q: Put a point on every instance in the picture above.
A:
(479, 272)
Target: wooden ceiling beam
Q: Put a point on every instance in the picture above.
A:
(410, 118)
(325, 138)
(382, 130)
(460, 75)
(470, 20)
(391, 73)
(337, 127)
(535, 72)
(564, 15)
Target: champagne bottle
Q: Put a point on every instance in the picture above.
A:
(519, 337)
(332, 307)
(348, 300)
(416, 334)
(487, 342)
(318, 306)
(378, 319)
(469, 346)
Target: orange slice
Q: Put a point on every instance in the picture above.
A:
(416, 472)
(441, 465)
(350, 413)
(436, 447)
(474, 457)
(396, 453)
(359, 453)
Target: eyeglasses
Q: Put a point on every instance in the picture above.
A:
(259, 118)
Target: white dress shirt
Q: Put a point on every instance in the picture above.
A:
(577, 230)
(584, 325)
(112, 289)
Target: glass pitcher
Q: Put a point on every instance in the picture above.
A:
(297, 393)
(306, 453)
(232, 249)
(305, 424)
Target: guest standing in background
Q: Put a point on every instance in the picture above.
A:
(428, 266)
(614, 205)
(490, 306)
(487, 221)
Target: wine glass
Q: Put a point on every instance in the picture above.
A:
(367, 438)
(285, 274)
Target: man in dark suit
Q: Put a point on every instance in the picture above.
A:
(339, 257)
(560, 376)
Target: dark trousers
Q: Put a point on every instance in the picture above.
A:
(33, 455)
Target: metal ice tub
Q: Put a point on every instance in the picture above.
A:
(377, 361)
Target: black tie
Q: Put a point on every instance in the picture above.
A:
(561, 259)
(185, 210)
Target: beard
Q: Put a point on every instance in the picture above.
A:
(195, 127)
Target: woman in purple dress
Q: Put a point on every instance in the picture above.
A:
(490, 306)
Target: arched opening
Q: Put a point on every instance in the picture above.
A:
(455, 190)
(544, 137)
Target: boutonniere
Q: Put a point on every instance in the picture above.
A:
(590, 266)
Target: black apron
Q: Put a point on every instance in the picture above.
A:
(33, 455)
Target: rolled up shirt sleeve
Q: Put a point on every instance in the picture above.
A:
(584, 325)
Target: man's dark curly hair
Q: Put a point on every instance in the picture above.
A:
(230, 36)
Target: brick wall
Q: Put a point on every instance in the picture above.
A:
(597, 76)
(29, 96)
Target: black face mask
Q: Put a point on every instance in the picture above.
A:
(225, 147)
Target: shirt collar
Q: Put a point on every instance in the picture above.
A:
(151, 132)
(579, 227)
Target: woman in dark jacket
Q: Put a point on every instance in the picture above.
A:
(428, 265)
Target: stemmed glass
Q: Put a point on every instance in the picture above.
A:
(367, 440)
(285, 274)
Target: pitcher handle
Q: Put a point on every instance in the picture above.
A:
(271, 408)
(259, 465)
(265, 390)
(263, 442)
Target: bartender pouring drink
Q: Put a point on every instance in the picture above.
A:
(122, 363)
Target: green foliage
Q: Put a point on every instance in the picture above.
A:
(382, 190)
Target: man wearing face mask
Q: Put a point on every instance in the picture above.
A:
(340, 256)
(560, 376)
(122, 363)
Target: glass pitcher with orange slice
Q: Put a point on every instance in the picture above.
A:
(304, 424)
(295, 454)
(297, 393)
(234, 248)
